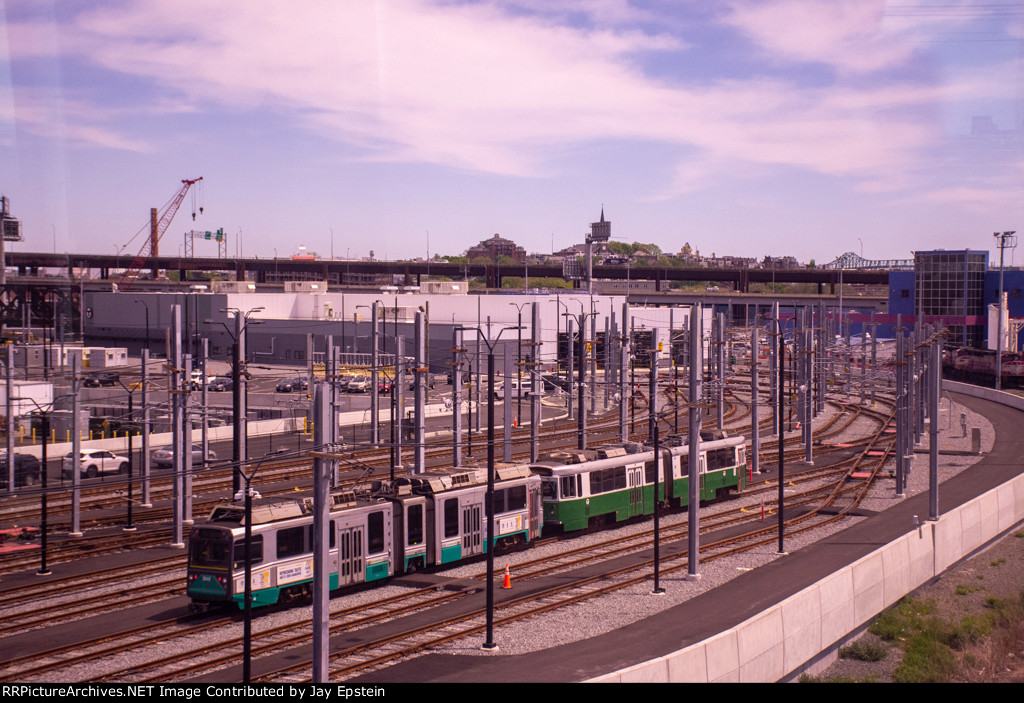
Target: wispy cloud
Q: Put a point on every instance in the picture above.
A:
(494, 86)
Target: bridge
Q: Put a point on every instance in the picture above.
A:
(46, 298)
(852, 262)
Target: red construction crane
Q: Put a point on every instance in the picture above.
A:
(157, 227)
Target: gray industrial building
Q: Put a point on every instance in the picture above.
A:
(283, 321)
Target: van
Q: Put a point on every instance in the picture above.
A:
(519, 389)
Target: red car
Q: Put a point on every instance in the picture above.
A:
(384, 385)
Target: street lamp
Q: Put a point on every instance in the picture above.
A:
(581, 420)
(237, 436)
(491, 541)
(44, 422)
(247, 605)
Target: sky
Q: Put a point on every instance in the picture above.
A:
(406, 127)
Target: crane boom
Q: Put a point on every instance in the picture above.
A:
(157, 229)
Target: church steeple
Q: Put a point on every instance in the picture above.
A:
(601, 231)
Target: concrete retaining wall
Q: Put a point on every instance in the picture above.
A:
(783, 638)
(259, 428)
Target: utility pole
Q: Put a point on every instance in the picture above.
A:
(693, 442)
(755, 425)
(419, 379)
(624, 398)
(76, 445)
(571, 365)
(457, 352)
(1005, 240)
(177, 404)
(374, 377)
(322, 469)
(652, 390)
(9, 405)
(147, 501)
(506, 360)
(536, 385)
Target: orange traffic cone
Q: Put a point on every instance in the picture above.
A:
(508, 578)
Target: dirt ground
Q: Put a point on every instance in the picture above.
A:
(996, 571)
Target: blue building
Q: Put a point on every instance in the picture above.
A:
(956, 288)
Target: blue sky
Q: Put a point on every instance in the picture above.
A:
(743, 127)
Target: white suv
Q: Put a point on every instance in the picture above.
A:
(93, 462)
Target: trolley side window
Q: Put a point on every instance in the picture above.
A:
(415, 523)
(568, 486)
(256, 551)
(291, 541)
(607, 480)
(721, 458)
(375, 532)
(451, 517)
(516, 498)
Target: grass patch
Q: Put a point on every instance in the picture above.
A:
(927, 660)
(864, 651)
(965, 590)
(997, 562)
(901, 622)
(971, 630)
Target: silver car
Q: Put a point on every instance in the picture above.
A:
(163, 458)
(359, 384)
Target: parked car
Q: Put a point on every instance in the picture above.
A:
(163, 458)
(287, 385)
(466, 377)
(93, 462)
(26, 471)
(359, 384)
(219, 385)
(101, 378)
(197, 380)
(553, 381)
(428, 381)
(384, 384)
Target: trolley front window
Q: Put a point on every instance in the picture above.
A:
(549, 488)
(209, 552)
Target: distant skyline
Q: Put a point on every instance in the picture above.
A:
(748, 128)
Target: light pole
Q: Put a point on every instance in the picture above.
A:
(143, 304)
(247, 604)
(129, 525)
(491, 541)
(581, 420)
(238, 433)
(45, 428)
(1006, 239)
(519, 364)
